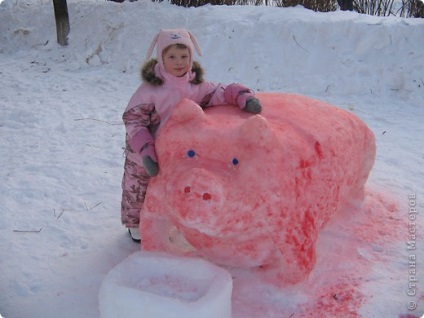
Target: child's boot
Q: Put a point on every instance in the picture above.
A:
(135, 234)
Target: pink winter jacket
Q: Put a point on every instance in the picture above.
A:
(153, 102)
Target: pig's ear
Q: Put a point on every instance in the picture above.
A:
(187, 110)
(255, 130)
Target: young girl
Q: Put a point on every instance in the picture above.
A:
(169, 78)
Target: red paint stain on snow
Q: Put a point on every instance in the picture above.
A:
(355, 241)
(378, 223)
(341, 300)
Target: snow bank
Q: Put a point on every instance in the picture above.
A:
(62, 137)
(304, 51)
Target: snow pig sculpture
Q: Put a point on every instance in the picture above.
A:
(253, 191)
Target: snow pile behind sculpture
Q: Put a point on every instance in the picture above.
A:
(253, 191)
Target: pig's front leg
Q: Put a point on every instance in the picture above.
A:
(159, 234)
(154, 233)
(290, 267)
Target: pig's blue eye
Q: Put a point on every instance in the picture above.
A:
(191, 153)
(235, 161)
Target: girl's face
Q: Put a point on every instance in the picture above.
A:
(176, 60)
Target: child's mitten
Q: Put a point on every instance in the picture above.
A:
(253, 105)
(152, 167)
(150, 161)
(240, 95)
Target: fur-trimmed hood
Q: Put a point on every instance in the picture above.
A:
(148, 74)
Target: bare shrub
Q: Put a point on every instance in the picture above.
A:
(316, 5)
(375, 7)
(408, 8)
(198, 3)
(412, 8)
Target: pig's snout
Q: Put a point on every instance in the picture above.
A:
(201, 184)
(205, 196)
(201, 200)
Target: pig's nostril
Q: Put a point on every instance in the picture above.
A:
(206, 196)
(187, 189)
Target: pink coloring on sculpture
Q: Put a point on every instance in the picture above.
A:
(253, 191)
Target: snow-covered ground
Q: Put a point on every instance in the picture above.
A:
(62, 143)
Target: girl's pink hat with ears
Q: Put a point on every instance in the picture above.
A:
(169, 37)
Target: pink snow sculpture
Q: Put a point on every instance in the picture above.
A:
(253, 191)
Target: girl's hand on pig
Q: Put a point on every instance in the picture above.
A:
(151, 166)
(252, 105)
(150, 161)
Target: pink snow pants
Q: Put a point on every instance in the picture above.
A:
(134, 186)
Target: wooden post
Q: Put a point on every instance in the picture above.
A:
(62, 21)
